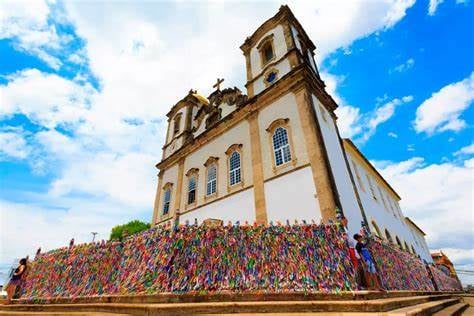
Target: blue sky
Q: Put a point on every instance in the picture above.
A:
(84, 89)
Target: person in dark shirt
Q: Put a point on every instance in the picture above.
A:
(368, 263)
(16, 279)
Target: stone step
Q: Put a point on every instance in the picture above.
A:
(427, 308)
(375, 305)
(469, 311)
(453, 310)
(231, 297)
(3, 313)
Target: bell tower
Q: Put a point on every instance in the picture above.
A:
(275, 49)
(180, 119)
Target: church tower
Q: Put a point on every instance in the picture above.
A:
(278, 46)
(180, 119)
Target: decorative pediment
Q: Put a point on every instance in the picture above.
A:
(192, 171)
(168, 185)
(230, 96)
(213, 117)
(277, 123)
(210, 161)
(232, 148)
(211, 112)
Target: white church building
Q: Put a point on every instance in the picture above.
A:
(275, 153)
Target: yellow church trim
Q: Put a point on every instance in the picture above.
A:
(156, 207)
(315, 151)
(179, 189)
(257, 165)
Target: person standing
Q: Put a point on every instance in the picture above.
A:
(368, 263)
(16, 279)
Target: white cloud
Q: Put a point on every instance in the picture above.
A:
(13, 144)
(27, 23)
(25, 227)
(363, 126)
(467, 150)
(346, 21)
(441, 112)
(404, 66)
(382, 114)
(392, 134)
(439, 197)
(433, 6)
(51, 100)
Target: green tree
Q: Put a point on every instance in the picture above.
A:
(131, 228)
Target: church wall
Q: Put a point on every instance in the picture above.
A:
(238, 134)
(236, 207)
(291, 197)
(283, 67)
(385, 216)
(294, 31)
(283, 108)
(337, 161)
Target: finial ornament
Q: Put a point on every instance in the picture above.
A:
(217, 85)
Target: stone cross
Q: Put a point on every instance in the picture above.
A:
(218, 83)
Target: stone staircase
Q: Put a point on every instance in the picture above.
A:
(347, 303)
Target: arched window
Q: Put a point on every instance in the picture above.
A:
(281, 146)
(177, 124)
(376, 229)
(389, 237)
(371, 186)
(359, 179)
(211, 179)
(280, 141)
(406, 246)
(192, 175)
(167, 200)
(267, 52)
(192, 189)
(211, 165)
(399, 243)
(234, 168)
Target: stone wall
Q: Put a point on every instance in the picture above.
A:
(444, 282)
(196, 259)
(399, 270)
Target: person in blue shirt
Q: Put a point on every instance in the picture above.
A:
(368, 263)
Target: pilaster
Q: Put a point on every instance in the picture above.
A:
(156, 206)
(257, 166)
(316, 154)
(179, 188)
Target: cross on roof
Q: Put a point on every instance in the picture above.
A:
(218, 83)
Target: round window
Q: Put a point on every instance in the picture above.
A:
(271, 76)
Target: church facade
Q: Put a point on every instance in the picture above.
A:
(275, 153)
